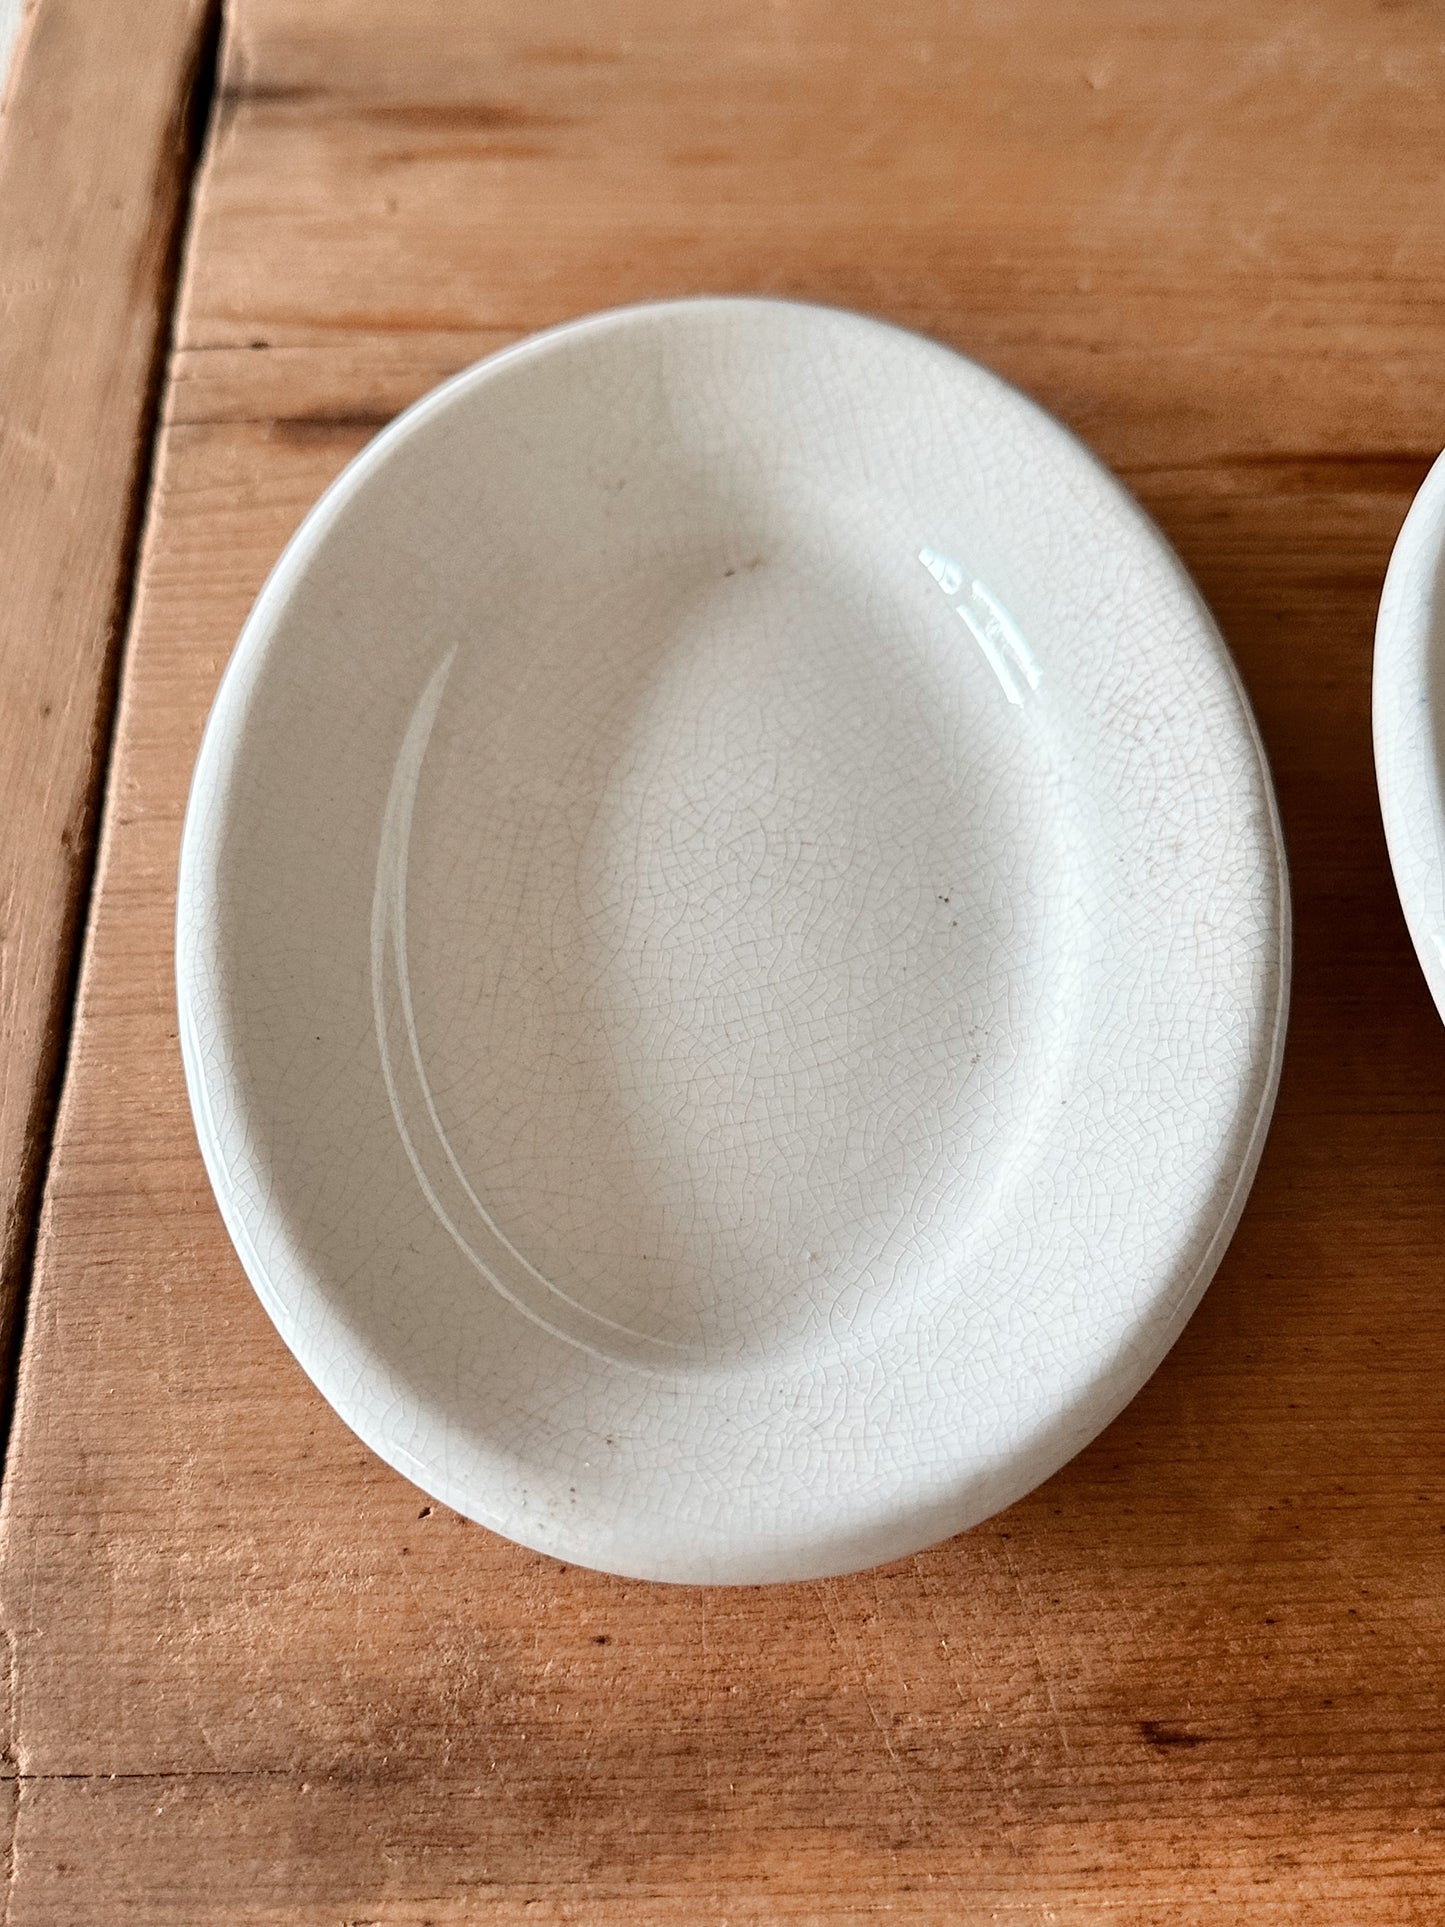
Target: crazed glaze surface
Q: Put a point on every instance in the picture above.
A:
(732, 943)
(1409, 720)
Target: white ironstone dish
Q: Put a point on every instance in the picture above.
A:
(1409, 716)
(732, 943)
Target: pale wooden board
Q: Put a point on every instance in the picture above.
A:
(1197, 1678)
(94, 167)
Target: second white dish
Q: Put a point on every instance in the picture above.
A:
(1409, 723)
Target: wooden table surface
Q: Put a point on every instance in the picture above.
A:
(253, 1677)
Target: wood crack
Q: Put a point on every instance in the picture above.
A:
(164, 1773)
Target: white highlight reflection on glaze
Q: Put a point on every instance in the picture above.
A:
(990, 625)
(727, 1053)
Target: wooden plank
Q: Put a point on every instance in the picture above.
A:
(1197, 1677)
(95, 166)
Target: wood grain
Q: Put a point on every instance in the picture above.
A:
(95, 163)
(1195, 1679)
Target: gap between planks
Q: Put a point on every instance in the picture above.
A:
(105, 125)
